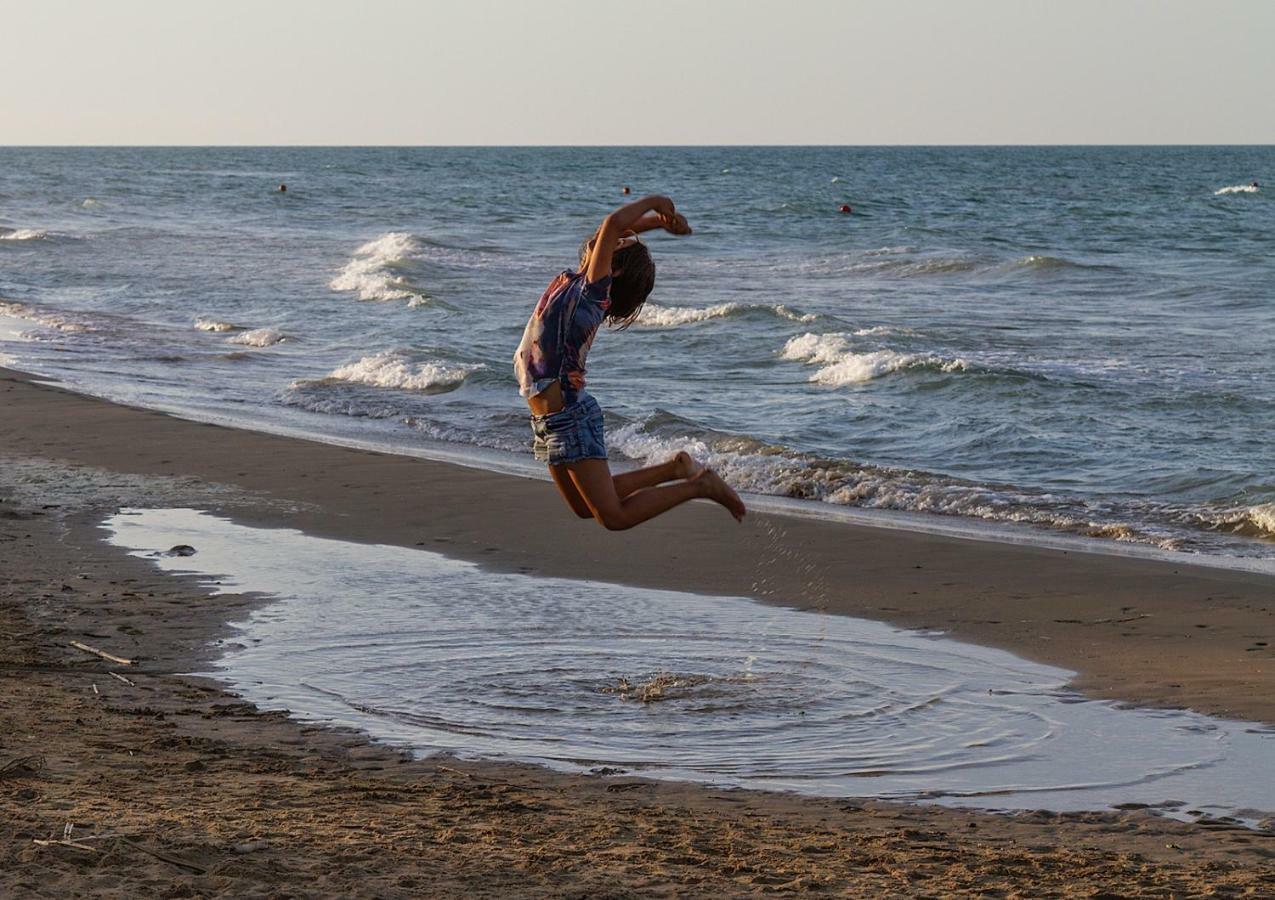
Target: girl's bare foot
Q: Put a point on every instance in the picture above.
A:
(686, 466)
(718, 490)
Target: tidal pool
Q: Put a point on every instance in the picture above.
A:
(443, 656)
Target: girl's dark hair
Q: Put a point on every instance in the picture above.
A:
(631, 287)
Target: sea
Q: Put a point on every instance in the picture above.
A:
(1048, 340)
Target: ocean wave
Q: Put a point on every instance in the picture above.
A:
(391, 369)
(1238, 189)
(204, 323)
(758, 467)
(258, 337)
(840, 364)
(372, 272)
(654, 315)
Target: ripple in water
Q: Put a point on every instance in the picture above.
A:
(442, 656)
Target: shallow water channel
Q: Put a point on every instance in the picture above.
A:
(442, 656)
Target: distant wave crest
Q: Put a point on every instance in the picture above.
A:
(840, 364)
(1238, 189)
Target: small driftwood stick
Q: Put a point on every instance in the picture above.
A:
(72, 844)
(102, 653)
(119, 677)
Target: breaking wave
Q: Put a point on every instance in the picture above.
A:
(840, 364)
(373, 272)
(1257, 521)
(1238, 189)
(392, 369)
(654, 315)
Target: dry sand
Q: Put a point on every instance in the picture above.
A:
(204, 796)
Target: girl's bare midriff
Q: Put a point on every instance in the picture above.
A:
(547, 401)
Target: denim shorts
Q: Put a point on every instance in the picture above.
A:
(571, 434)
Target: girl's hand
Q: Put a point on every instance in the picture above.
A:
(676, 224)
(660, 205)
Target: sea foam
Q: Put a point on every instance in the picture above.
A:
(391, 369)
(1237, 189)
(656, 316)
(371, 273)
(840, 364)
(49, 319)
(258, 337)
(24, 234)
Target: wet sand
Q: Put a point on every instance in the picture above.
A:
(240, 803)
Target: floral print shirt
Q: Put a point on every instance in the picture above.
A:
(559, 333)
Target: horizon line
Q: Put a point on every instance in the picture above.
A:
(462, 146)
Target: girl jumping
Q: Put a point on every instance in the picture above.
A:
(615, 277)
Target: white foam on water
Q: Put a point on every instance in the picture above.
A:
(391, 369)
(438, 655)
(24, 234)
(258, 337)
(1263, 517)
(371, 272)
(48, 318)
(205, 323)
(654, 315)
(1237, 189)
(1254, 521)
(839, 364)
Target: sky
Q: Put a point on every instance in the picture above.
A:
(528, 72)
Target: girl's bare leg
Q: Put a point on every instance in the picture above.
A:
(593, 479)
(681, 466)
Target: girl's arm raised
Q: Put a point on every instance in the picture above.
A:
(625, 219)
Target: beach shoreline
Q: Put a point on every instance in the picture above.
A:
(256, 802)
(1145, 631)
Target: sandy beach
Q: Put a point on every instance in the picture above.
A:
(172, 787)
